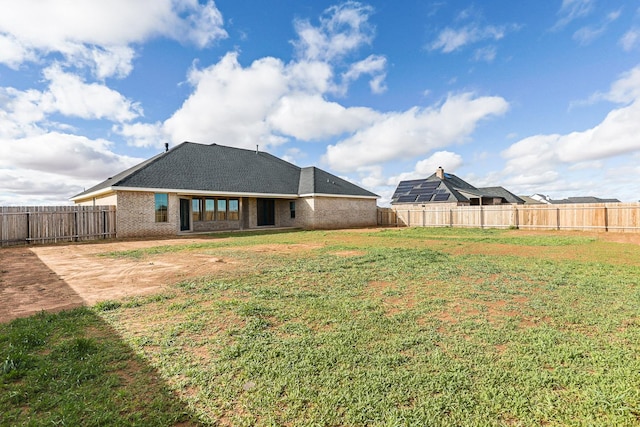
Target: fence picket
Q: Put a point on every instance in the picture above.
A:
(21, 225)
(620, 217)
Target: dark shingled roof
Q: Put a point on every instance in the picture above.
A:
(218, 168)
(450, 189)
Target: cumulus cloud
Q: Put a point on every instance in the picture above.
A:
(24, 111)
(375, 66)
(343, 29)
(69, 95)
(537, 158)
(142, 134)
(100, 33)
(424, 168)
(230, 103)
(64, 154)
(310, 117)
(269, 102)
(402, 135)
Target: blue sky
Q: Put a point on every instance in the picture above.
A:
(535, 96)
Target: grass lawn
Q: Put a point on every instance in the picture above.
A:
(425, 327)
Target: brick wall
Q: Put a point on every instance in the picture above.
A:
(337, 212)
(136, 215)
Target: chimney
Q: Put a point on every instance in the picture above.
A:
(166, 147)
(440, 172)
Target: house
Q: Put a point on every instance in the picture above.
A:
(442, 187)
(197, 188)
(541, 198)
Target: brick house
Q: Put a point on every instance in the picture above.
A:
(444, 188)
(196, 187)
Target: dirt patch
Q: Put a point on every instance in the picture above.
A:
(59, 277)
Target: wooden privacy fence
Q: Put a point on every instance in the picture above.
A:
(622, 217)
(46, 224)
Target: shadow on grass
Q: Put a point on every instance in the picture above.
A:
(72, 368)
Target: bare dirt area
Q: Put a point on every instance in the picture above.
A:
(53, 278)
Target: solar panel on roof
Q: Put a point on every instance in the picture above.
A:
(406, 199)
(441, 197)
(424, 197)
(430, 184)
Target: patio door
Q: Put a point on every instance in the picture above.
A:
(266, 212)
(185, 215)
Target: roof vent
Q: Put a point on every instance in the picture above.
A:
(166, 147)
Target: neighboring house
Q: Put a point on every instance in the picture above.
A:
(196, 187)
(447, 188)
(582, 199)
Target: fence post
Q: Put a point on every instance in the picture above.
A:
(558, 218)
(28, 228)
(606, 219)
(408, 218)
(515, 221)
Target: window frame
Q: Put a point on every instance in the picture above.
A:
(196, 210)
(292, 209)
(161, 211)
(221, 214)
(233, 214)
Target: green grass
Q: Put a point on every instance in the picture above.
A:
(72, 369)
(438, 327)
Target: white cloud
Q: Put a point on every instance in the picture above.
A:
(343, 29)
(450, 39)
(373, 65)
(270, 102)
(586, 35)
(310, 117)
(70, 96)
(539, 157)
(100, 32)
(572, 10)
(65, 155)
(486, 54)
(631, 39)
(448, 160)
(142, 134)
(230, 103)
(623, 91)
(413, 132)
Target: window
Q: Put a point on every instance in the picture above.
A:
(209, 209)
(234, 210)
(221, 209)
(162, 204)
(196, 209)
(292, 209)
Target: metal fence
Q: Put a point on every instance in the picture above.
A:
(21, 225)
(622, 217)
